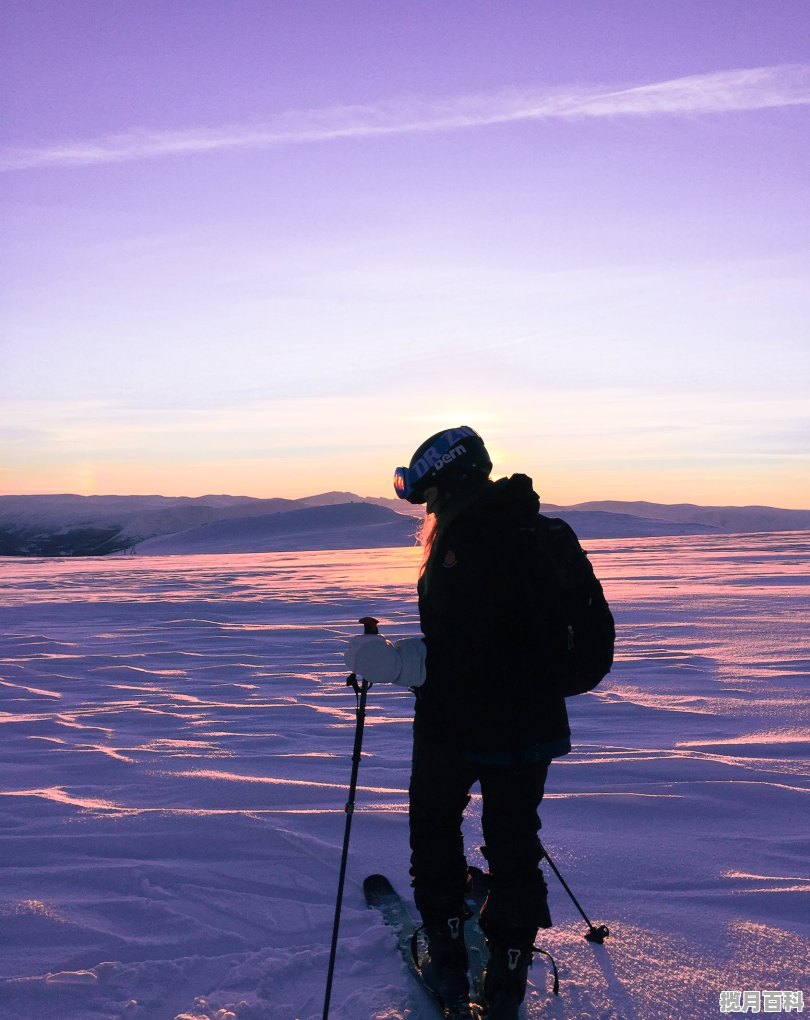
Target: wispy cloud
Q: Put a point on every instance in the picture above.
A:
(716, 93)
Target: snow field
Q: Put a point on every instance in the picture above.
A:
(176, 741)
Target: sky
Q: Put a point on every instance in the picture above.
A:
(267, 248)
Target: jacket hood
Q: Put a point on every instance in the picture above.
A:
(512, 499)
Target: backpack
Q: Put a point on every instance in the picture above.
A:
(576, 625)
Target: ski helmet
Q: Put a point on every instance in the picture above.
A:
(448, 460)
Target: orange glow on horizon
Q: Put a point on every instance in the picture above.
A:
(776, 487)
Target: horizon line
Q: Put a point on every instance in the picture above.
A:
(330, 492)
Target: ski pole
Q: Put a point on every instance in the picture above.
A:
(593, 934)
(360, 687)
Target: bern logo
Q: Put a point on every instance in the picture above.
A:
(432, 460)
(450, 559)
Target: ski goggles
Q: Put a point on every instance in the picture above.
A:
(406, 485)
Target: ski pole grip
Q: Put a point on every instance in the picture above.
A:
(369, 628)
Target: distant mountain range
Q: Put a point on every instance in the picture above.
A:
(69, 525)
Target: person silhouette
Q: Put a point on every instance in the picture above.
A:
(482, 715)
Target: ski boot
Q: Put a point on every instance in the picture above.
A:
(504, 983)
(444, 966)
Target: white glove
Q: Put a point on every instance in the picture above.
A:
(412, 654)
(372, 657)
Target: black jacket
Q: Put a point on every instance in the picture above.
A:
(485, 690)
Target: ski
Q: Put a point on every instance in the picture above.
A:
(381, 895)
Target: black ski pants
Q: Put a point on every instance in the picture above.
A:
(441, 779)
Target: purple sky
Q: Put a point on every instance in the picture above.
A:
(267, 247)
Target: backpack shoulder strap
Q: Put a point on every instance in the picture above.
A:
(558, 544)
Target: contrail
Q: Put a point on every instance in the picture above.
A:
(719, 92)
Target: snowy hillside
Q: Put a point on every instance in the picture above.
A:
(345, 526)
(176, 749)
(732, 519)
(67, 525)
(94, 525)
(363, 525)
(599, 524)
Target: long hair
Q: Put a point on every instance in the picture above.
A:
(435, 526)
(427, 539)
